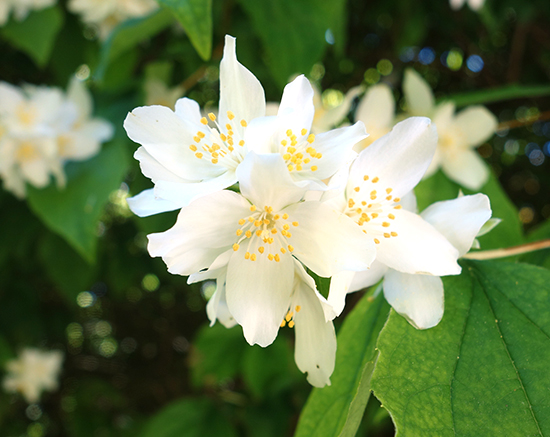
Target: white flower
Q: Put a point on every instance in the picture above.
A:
(21, 8)
(475, 5)
(157, 93)
(458, 134)
(417, 297)
(33, 372)
(187, 158)
(377, 112)
(378, 179)
(259, 234)
(309, 313)
(106, 14)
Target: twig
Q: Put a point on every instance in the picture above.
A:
(511, 124)
(509, 251)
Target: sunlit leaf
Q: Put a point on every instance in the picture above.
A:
(484, 369)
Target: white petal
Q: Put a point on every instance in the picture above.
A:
(400, 158)
(259, 135)
(339, 288)
(368, 277)
(240, 91)
(80, 96)
(145, 204)
(418, 298)
(265, 181)
(476, 5)
(204, 229)
(10, 96)
(417, 248)
(296, 110)
(443, 116)
(258, 295)
(477, 123)
(187, 109)
(377, 108)
(467, 168)
(456, 4)
(459, 220)
(153, 169)
(315, 349)
(333, 117)
(217, 309)
(328, 242)
(419, 96)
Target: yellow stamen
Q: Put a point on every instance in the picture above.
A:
(211, 116)
(204, 120)
(230, 115)
(236, 247)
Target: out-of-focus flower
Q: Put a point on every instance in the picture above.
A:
(106, 14)
(258, 235)
(33, 372)
(475, 5)
(21, 8)
(379, 178)
(41, 128)
(458, 134)
(157, 93)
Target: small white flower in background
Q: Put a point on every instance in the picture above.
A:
(475, 5)
(188, 156)
(33, 372)
(21, 8)
(106, 14)
(158, 93)
(458, 134)
(41, 128)
(258, 236)
(379, 179)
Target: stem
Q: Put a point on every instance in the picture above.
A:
(509, 251)
(518, 123)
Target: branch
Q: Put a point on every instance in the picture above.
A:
(509, 251)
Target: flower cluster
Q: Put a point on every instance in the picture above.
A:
(41, 128)
(299, 202)
(21, 8)
(33, 372)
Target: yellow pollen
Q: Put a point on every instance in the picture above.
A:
(286, 156)
(236, 247)
(364, 203)
(273, 231)
(374, 215)
(223, 137)
(258, 233)
(306, 161)
(214, 160)
(386, 235)
(374, 180)
(291, 150)
(394, 234)
(356, 189)
(230, 148)
(257, 223)
(385, 224)
(253, 208)
(270, 240)
(291, 324)
(193, 147)
(284, 143)
(298, 167)
(298, 308)
(286, 227)
(289, 132)
(266, 221)
(290, 248)
(293, 138)
(198, 155)
(373, 193)
(247, 255)
(397, 199)
(285, 216)
(241, 143)
(319, 155)
(288, 316)
(389, 190)
(391, 216)
(388, 197)
(398, 207)
(277, 257)
(311, 138)
(283, 323)
(230, 115)
(200, 134)
(295, 223)
(196, 139)
(270, 258)
(230, 141)
(276, 216)
(284, 232)
(283, 250)
(303, 132)
(239, 232)
(288, 234)
(313, 168)
(377, 241)
(365, 178)
(253, 257)
(248, 234)
(242, 221)
(261, 249)
(358, 210)
(211, 116)
(228, 126)
(204, 120)
(290, 167)
(243, 123)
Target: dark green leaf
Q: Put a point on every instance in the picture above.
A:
(190, 418)
(508, 92)
(483, 371)
(36, 34)
(196, 18)
(539, 257)
(338, 409)
(74, 212)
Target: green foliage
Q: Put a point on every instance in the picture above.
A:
(35, 35)
(293, 32)
(196, 18)
(499, 94)
(338, 408)
(482, 370)
(73, 212)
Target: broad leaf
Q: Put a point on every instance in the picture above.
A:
(196, 18)
(338, 409)
(36, 34)
(74, 211)
(190, 418)
(293, 32)
(539, 257)
(483, 371)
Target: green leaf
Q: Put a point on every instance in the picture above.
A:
(190, 418)
(196, 18)
(74, 211)
(36, 34)
(338, 409)
(509, 92)
(507, 233)
(127, 35)
(293, 32)
(539, 257)
(483, 371)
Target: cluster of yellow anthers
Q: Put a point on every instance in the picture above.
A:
(289, 316)
(373, 209)
(226, 141)
(263, 224)
(294, 152)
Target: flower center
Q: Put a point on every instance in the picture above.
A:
(298, 152)
(221, 145)
(26, 114)
(372, 208)
(289, 318)
(264, 232)
(26, 152)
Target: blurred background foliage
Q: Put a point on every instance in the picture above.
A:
(74, 271)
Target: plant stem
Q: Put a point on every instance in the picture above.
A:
(509, 251)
